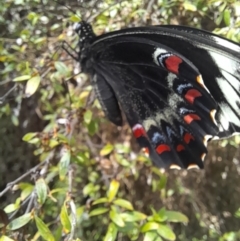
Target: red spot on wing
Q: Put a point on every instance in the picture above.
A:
(172, 63)
(162, 148)
(191, 117)
(180, 148)
(188, 137)
(138, 131)
(191, 95)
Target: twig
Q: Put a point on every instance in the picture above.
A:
(72, 204)
(34, 169)
(32, 199)
(22, 204)
(3, 98)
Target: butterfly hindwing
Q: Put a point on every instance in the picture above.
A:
(170, 82)
(107, 99)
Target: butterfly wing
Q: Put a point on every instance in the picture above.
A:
(156, 76)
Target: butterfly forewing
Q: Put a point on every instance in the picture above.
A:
(172, 84)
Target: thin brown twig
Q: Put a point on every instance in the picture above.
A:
(34, 169)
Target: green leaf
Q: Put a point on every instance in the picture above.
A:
(160, 216)
(227, 17)
(133, 216)
(88, 116)
(75, 19)
(113, 189)
(122, 161)
(166, 232)
(29, 136)
(116, 218)
(41, 189)
(106, 150)
(123, 203)
(237, 213)
(152, 236)
(5, 238)
(65, 220)
(22, 78)
(44, 230)
(64, 164)
(88, 189)
(32, 85)
(189, 6)
(11, 207)
(111, 234)
(92, 127)
(20, 221)
(149, 226)
(61, 68)
(139, 216)
(100, 200)
(173, 216)
(26, 191)
(98, 211)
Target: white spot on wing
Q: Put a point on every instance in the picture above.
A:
(156, 54)
(231, 96)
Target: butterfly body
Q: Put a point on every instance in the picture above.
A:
(172, 83)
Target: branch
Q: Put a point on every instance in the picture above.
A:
(32, 170)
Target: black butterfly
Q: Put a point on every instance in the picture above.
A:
(179, 87)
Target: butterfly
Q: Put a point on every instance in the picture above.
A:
(179, 87)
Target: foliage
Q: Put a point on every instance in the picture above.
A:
(82, 179)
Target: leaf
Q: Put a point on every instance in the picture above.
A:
(88, 189)
(88, 116)
(26, 192)
(237, 213)
(116, 218)
(139, 216)
(160, 216)
(44, 230)
(41, 189)
(123, 203)
(111, 234)
(189, 6)
(100, 200)
(149, 226)
(98, 211)
(65, 220)
(227, 17)
(5, 238)
(152, 236)
(113, 189)
(64, 164)
(92, 127)
(173, 216)
(133, 216)
(22, 78)
(32, 85)
(20, 221)
(61, 68)
(29, 136)
(166, 232)
(11, 207)
(106, 150)
(74, 18)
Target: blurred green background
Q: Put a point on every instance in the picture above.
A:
(95, 166)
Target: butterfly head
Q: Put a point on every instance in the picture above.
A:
(85, 33)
